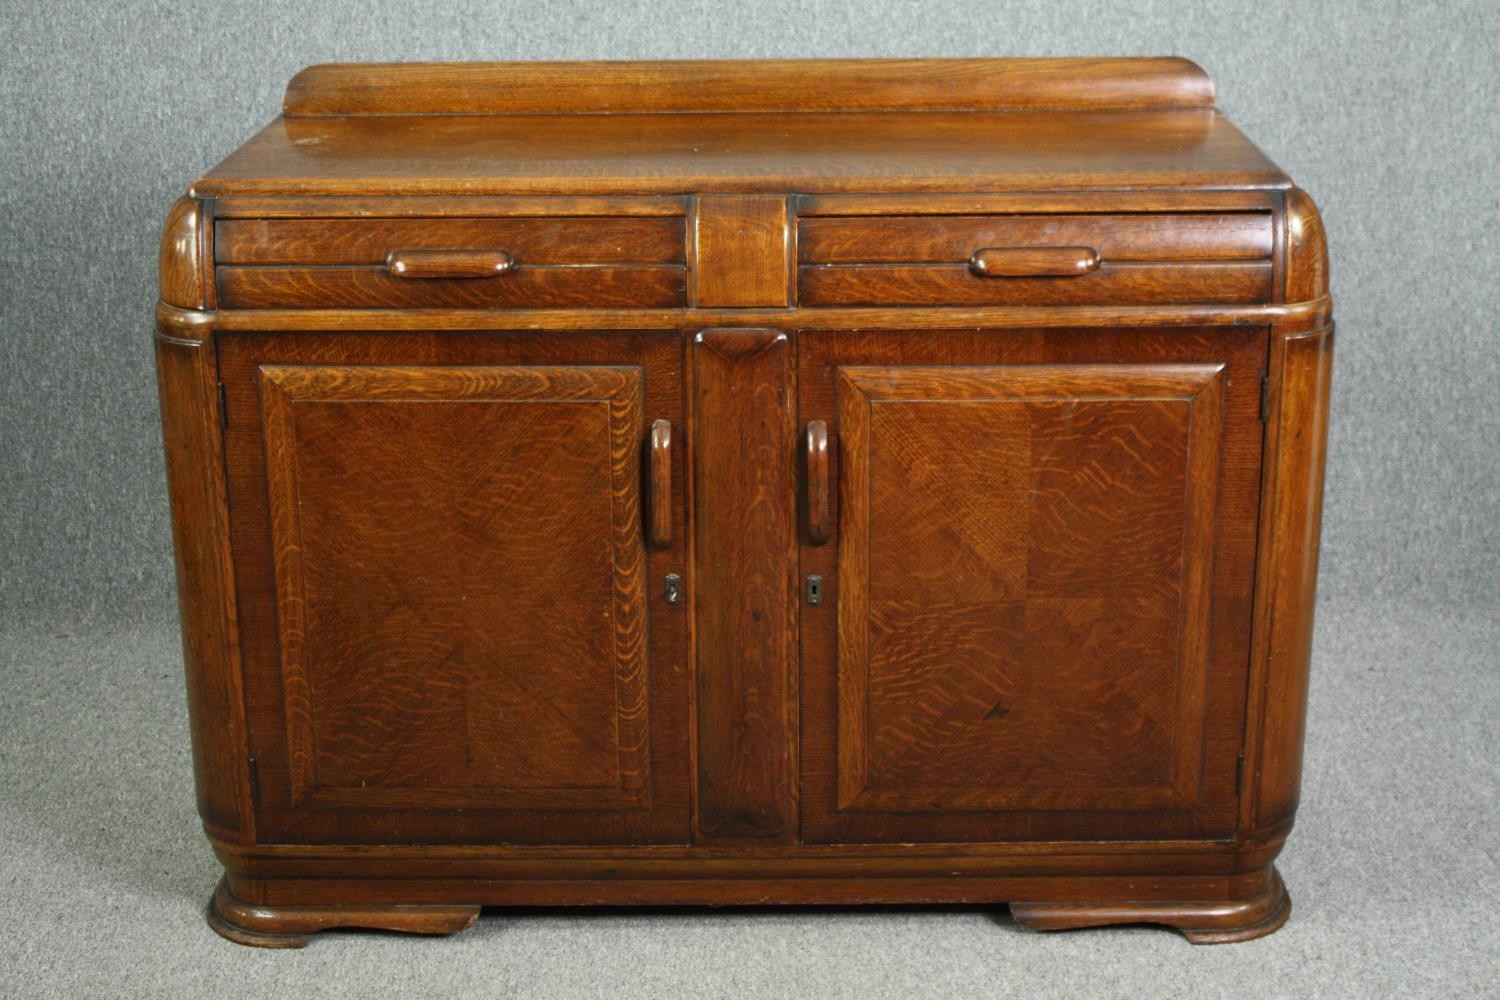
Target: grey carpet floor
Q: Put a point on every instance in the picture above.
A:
(1394, 868)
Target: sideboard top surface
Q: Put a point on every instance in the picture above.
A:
(795, 126)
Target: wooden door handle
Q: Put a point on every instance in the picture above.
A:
(817, 481)
(1034, 262)
(661, 484)
(448, 263)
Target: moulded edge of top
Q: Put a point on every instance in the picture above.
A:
(749, 86)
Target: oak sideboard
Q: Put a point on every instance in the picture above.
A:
(746, 482)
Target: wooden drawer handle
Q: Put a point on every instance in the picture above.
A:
(448, 263)
(1034, 262)
(661, 484)
(817, 481)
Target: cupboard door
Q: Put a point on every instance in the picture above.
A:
(1027, 562)
(452, 552)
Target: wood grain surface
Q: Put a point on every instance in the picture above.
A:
(445, 581)
(955, 238)
(1023, 622)
(742, 251)
(528, 240)
(613, 287)
(316, 207)
(745, 566)
(495, 656)
(1008, 557)
(776, 154)
(477, 88)
(495, 574)
(193, 448)
(957, 284)
(1302, 366)
(185, 268)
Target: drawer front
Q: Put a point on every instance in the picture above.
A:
(1074, 259)
(523, 263)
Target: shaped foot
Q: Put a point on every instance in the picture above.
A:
(294, 926)
(1200, 921)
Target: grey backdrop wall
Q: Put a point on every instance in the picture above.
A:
(1386, 112)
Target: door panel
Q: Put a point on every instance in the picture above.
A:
(454, 552)
(1025, 575)
(438, 667)
(1022, 610)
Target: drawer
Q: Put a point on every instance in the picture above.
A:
(523, 263)
(1073, 259)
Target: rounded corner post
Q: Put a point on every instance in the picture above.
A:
(191, 421)
(185, 273)
(1299, 379)
(1306, 249)
(1300, 376)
